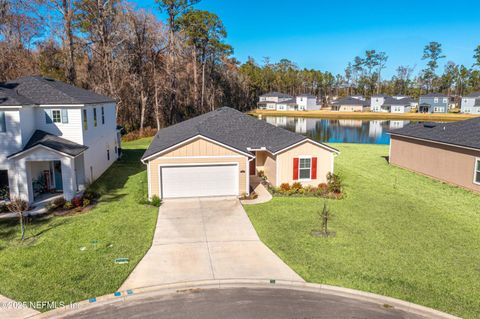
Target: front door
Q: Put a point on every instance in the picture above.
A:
(57, 174)
(252, 167)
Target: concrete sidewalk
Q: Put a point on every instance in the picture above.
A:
(10, 309)
(206, 239)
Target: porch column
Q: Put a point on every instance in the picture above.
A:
(22, 186)
(68, 178)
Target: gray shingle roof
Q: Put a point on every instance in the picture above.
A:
(393, 101)
(277, 94)
(463, 133)
(290, 101)
(474, 94)
(308, 96)
(54, 142)
(229, 127)
(380, 95)
(352, 101)
(40, 90)
(9, 97)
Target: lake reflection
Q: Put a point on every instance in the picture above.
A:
(338, 131)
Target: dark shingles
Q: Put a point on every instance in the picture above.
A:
(352, 101)
(41, 90)
(433, 95)
(54, 142)
(9, 97)
(229, 127)
(463, 133)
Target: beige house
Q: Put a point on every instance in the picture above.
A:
(351, 104)
(217, 153)
(449, 152)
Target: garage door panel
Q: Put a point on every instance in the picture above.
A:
(199, 180)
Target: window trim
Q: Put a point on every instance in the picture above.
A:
(475, 171)
(85, 120)
(310, 169)
(95, 122)
(435, 100)
(103, 115)
(53, 118)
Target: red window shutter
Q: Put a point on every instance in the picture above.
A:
(295, 169)
(314, 168)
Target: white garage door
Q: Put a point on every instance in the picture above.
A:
(199, 180)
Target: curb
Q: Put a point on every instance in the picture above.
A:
(244, 283)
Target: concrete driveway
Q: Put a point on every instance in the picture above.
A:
(205, 239)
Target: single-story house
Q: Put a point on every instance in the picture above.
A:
(215, 154)
(351, 104)
(449, 152)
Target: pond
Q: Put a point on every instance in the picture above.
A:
(338, 131)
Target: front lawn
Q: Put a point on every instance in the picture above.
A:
(50, 265)
(397, 234)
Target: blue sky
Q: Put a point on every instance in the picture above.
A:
(326, 35)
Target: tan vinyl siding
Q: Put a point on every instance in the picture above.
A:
(446, 163)
(190, 153)
(266, 162)
(324, 157)
(351, 108)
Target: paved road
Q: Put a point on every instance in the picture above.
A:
(206, 239)
(239, 303)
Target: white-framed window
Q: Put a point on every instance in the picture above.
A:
(95, 116)
(435, 100)
(56, 116)
(476, 177)
(305, 168)
(85, 119)
(445, 100)
(3, 123)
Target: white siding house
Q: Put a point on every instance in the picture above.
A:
(47, 144)
(284, 102)
(471, 103)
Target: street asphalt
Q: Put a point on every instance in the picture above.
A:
(239, 303)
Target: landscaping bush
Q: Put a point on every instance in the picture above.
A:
(155, 201)
(296, 186)
(285, 187)
(86, 202)
(68, 205)
(77, 201)
(90, 195)
(334, 183)
(58, 202)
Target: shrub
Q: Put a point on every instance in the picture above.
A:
(297, 186)
(86, 202)
(334, 183)
(261, 174)
(68, 205)
(155, 201)
(58, 202)
(77, 201)
(90, 195)
(310, 189)
(285, 187)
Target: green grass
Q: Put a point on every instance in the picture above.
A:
(397, 234)
(49, 265)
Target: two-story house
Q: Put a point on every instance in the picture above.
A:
(433, 103)
(307, 102)
(284, 102)
(54, 137)
(269, 100)
(471, 103)
(391, 104)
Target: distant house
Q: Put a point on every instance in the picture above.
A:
(391, 104)
(471, 103)
(269, 101)
(307, 102)
(351, 104)
(449, 152)
(284, 102)
(433, 103)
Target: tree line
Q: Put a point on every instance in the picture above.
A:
(163, 71)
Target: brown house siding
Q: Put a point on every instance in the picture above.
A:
(446, 163)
